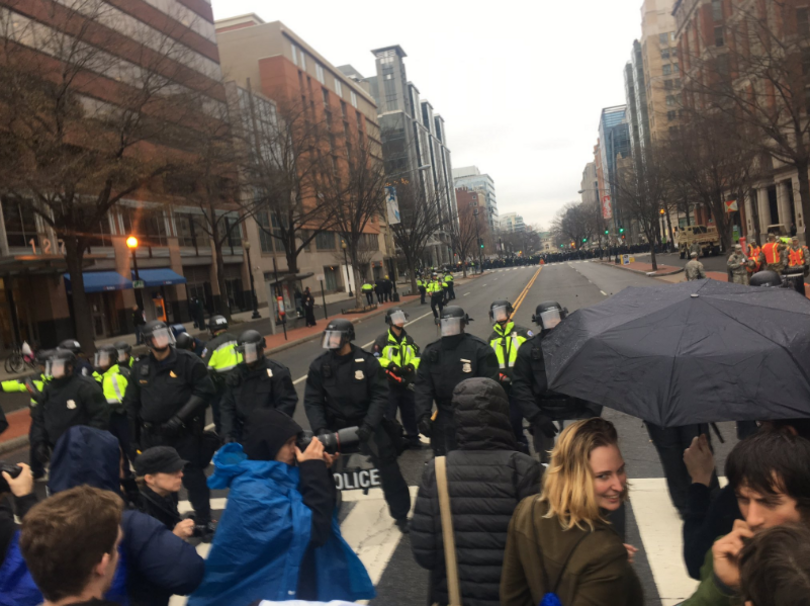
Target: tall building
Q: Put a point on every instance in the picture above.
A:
(662, 76)
(636, 94)
(175, 263)
(413, 136)
(512, 223)
(472, 178)
(273, 60)
(589, 186)
(614, 143)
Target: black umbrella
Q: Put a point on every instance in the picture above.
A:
(697, 352)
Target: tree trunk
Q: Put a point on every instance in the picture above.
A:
(81, 309)
(412, 272)
(652, 255)
(291, 254)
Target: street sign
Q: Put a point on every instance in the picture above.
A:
(137, 284)
(320, 278)
(625, 259)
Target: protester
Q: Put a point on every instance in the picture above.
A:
(158, 563)
(67, 571)
(487, 477)
(159, 472)
(138, 320)
(770, 474)
(308, 302)
(278, 538)
(561, 542)
(775, 567)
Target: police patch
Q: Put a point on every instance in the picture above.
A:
(530, 333)
(358, 375)
(269, 372)
(71, 404)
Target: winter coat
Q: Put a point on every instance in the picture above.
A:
(487, 478)
(263, 536)
(597, 572)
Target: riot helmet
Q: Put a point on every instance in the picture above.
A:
(124, 351)
(453, 320)
(71, 345)
(338, 332)
(60, 364)
(106, 356)
(217, 323)
(156, 335)
(184, 341)
(251, 345)
(766, 277)
(548, 314)
(500, 311)
(396, 317)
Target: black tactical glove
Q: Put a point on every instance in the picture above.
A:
(504, 378)
(172, 427)
(426, 427)
(410, 369)
(43, 452)
(545, 425)
(364, 433)
(394, 368)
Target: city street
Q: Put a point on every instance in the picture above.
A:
(652, 525)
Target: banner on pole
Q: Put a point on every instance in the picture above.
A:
(607, 208)
(392, 205)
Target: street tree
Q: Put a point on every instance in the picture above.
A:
(464, 234)
(576, 222)
(83, 130)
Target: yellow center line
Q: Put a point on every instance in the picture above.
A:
(525, 293)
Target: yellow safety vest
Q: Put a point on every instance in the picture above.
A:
(114, 385)
(401, 353)
(435, 286)
(506, 342)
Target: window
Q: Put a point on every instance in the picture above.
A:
(670, 101)
(675, 68)
(668, 84)
(186, 234)
(369, 242)
(671, 115)
(149, 225)
(354, 99)
(302, 60)
(723, 65)
(268, 240)
(325, 240)
(325, 98)
(338, 88)
(343, 109)
(21, 223)
(233, 230)
(806, 61)
(663, 39)
(677, 83)
(717, 10)
(672, 36)
(718, 36)
(359, 122)
(294, 54)
(803, 21)
(667, 69)
(319, 73)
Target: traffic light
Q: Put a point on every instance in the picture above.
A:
(621, 230)
(584, 240)
(607, 231)
(662, 211)
(481, 242)
(562, 246)
(623, 236)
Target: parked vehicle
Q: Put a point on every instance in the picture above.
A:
(706, 237)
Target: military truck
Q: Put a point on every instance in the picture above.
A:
(707, 239)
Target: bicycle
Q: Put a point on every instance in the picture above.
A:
(19, 359)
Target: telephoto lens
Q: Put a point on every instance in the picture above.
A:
(10, 469)
(344, 440)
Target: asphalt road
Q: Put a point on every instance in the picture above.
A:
(651, 523)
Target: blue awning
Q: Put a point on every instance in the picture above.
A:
(159, 277)
(100, 281)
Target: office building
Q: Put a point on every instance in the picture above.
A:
(472, 178)
(414, 139)
(512, 223)
(275, 62)
(636, 95)
(662, 75)
(614, 142)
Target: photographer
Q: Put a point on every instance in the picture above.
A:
(159, 473)
(23, 499)
(278, 537)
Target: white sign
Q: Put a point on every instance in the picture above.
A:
(392, 205)
(320, 277)
(625, 259)
(607, 208)
(359, 479)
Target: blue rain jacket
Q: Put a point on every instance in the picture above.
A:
(263, 535)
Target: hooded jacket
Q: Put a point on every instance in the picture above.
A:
(273, 531)
(487, 477)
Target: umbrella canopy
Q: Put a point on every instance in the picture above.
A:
(697, 352)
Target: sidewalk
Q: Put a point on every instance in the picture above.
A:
(647, 268)
(16, 436)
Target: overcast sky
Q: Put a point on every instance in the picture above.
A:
(520, 85)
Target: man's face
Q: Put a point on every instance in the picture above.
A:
(763, 511)
(287, 452)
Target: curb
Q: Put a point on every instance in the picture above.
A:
(13, 444)
(650, 274)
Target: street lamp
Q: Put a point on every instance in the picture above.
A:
(132, 244)
(346, 260)
(255, 316)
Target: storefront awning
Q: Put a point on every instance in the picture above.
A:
(159, 277)
(100, 281)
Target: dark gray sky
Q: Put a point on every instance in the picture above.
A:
(519, 84)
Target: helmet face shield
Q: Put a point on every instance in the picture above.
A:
(102, 359)
(332, 339)
(123, 355)
(500, 313)
(398, 318)
(55, 368)
(550, 318)
(162, 338)
(451, 327)
(250, 352)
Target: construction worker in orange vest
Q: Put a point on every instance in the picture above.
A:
(797, 265)
(773, 255)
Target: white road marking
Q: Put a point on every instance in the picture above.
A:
(603, 292)
(465, 294)
(297, 381)
(483, 284)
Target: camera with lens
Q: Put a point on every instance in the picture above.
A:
(10, 469)
(199, 529)
(343, 440)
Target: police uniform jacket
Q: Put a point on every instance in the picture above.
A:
(158, 390)
(269, 385)
(530, 388)
(505, 342)
(446, 363)
(402, 351)
(343, 391)
(69, 401)
(221, 357)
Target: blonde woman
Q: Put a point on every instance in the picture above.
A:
(561, 541)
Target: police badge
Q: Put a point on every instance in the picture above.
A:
(466, 366)
(358, 375)
(71, 404)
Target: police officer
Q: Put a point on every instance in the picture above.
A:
(345, 388)
(421, 287)
(114, 382)
(368, 290)
(68, 399)
(81, 365)
(125, 359)
(448, 280)
(505, 340)
(221, 358)
(165, 402)
(435, 289)
(189, 343)
(530, 389)
(399, 358)
(256, 382)
(445, 363)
